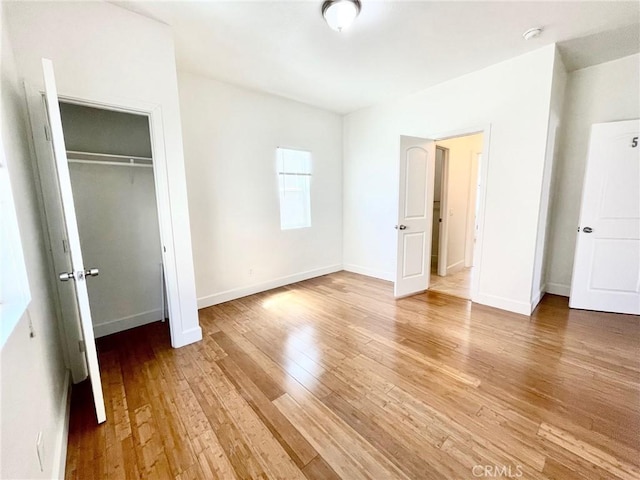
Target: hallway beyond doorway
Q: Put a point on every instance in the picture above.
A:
(457, 284)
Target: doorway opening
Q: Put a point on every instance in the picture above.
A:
(456, 189)
(112, 179)
(99, 133)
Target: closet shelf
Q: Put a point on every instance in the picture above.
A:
(108, 159)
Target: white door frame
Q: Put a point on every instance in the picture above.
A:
(485, 130)
(472, 200)
(443, 230)
(161, 179)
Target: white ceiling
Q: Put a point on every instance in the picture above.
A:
(394, 47)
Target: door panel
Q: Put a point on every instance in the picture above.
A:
(415, 214)
(615, 265)
(414, 246)
(73, 238)
(621, 184)
(415, 183)
(606, 273)
(70, 329)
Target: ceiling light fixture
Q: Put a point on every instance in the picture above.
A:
(532, 33)
(339, 14)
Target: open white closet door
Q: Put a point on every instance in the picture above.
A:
(77, 277)
(415, 214)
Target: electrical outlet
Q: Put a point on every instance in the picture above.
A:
(40, 450)
(32, 332)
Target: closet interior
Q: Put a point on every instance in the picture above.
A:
(112, 178)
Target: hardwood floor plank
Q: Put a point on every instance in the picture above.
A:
(470, 430)
(131, 468)
(404, 447)
(269, 388)
(291, 440)
(556, 470)
(240, 418)
(268, 452)
(116, 408)
(318, 469)
(214, 464)
(171, 431)
(243, 461)
(562, 463)
(290, 366)
(276, 372)
(194, 472)
(590, 453)
(437, 367)
(150, 453)
(340, 446)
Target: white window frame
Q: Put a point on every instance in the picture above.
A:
(302, 173)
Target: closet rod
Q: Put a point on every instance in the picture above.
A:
(73, 153)
(105, 162)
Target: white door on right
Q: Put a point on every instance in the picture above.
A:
(606, 270)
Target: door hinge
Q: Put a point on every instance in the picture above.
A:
(81, 346)
(47, 135)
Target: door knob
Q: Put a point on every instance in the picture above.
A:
(587, 229)
(66, 276)
(401, 227)
(90, 272)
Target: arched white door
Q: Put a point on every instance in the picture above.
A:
(415, 214)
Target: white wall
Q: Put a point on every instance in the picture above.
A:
(105, 53)
(127, 293)
(514, 98)
(558, 87)
(230, 139)
(607, 92)
(33, 375)
(462, 154)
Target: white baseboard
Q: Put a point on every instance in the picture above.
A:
(60, 455)
(229, 295)
(389, 276)
(120, 324)
(456, 267)
(523, 308)
(558, 289)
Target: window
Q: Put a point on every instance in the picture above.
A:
(14, 285)
(294, 181)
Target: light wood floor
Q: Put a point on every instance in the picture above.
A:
(457, 284)
(333, 378)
